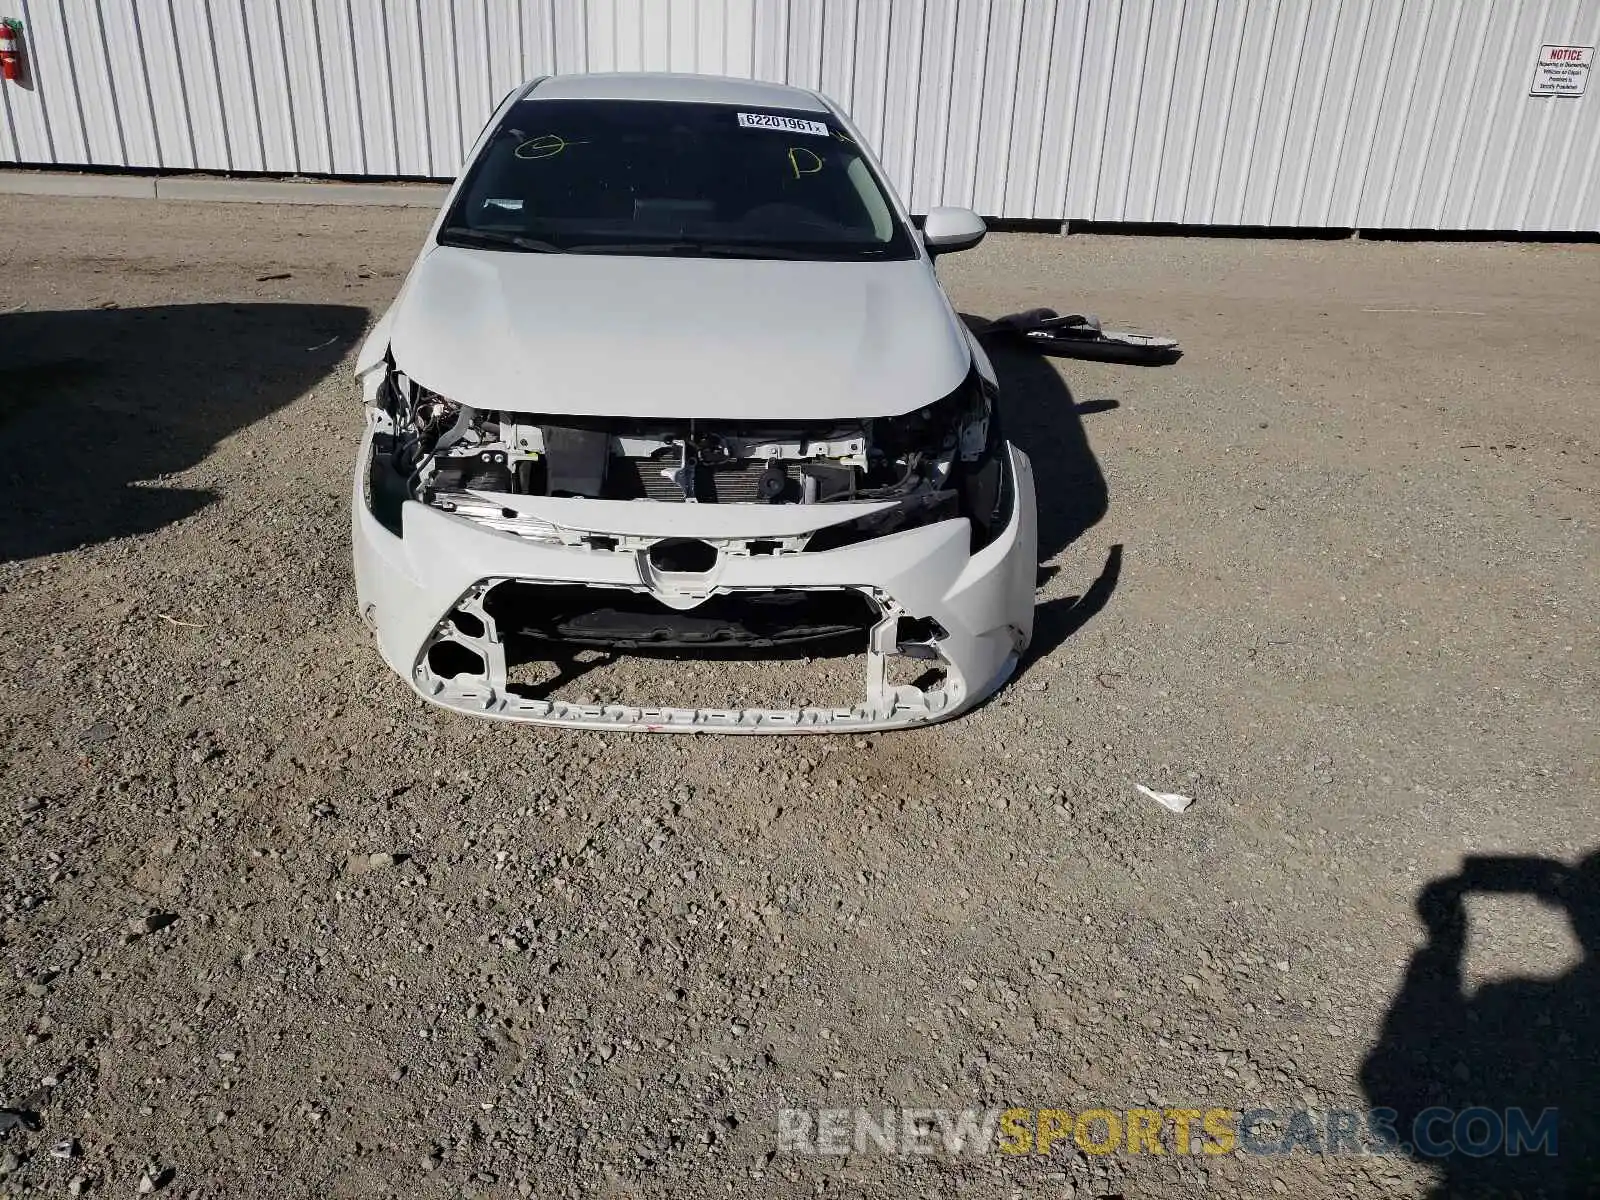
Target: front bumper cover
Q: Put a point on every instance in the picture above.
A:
(980, 604)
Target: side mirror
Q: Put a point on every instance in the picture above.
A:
(947, 230)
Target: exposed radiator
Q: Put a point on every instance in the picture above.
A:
(735, 483)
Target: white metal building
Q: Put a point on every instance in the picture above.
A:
(1373, 114)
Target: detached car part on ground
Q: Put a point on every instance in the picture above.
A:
(673, 372)
(1045, 331)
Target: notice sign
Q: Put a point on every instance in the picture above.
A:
(1562, 70)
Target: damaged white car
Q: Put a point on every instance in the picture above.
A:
(673, 372)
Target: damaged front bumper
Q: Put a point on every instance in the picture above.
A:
(433, 587)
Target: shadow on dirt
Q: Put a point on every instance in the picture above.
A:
(1044, 419)
(1471, 1079)
(97, 405)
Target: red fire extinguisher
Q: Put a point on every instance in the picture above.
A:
(11, 49)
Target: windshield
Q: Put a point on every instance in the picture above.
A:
(652, 177)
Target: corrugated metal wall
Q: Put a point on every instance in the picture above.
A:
(1344, 113)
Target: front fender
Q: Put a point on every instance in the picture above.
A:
(375, 350)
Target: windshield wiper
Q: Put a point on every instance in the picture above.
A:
(463, 235)
(700, 250)
(680, 248)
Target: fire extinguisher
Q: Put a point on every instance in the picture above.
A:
(11, 49)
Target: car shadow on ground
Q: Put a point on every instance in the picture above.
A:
(1519, 1045)
(95, 403)
(1045, 420)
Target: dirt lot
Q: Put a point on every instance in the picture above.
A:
(1333, 575)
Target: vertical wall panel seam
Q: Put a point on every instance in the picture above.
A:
(322, 85)
(1585, 181)
(391, 103)
(1414, 73)
(1336, 152)
(1430, 126)
(850, 56)
(948, 95)
(907, 185)
(1288, 116)
(183, 85)
(1463, 110)
(1316, 117)
(216, 79)
(784, 41)
(884, 60)
(250, 75)
(1527, 187)
(288, 90)
(426, 107)
(975, 121)
(819, 43)
(522, 71)
(111, 81)
(1547, 219)
(1160, 149)
(149, 90)
(357, 123)
(1197, 106)
(478, 120)
(1515, 133)
(1008, 125)
(1315, 126)
(1104, 123)
(1572, 37)
(1359, 191)
(30, 33)
(1227, 113)
(1584, 184)
(1143, 70)
(1070, 125)
(11, 132)
(452, 61)
(1141, 93)
(11, 124)
(1484, 143)
(1046, 73)
(1259, 92)
(77, 87)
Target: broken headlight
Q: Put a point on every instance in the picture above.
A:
(940, 461)
(404, 438)
(421, 417)
(924, 432)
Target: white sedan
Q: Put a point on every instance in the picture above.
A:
(673, 371)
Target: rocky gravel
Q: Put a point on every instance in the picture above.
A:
(272, 926)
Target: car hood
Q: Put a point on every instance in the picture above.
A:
(712, 339)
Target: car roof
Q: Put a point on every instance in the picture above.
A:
(668, 87)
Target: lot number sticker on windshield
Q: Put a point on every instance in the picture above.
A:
(782, 124)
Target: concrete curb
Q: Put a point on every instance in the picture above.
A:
(51, 183)
(246, 191)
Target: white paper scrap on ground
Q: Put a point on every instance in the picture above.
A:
(1172, 800)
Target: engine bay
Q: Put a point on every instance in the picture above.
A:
(939, 461)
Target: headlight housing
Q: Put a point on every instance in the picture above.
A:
(935, 428)
(943, 460)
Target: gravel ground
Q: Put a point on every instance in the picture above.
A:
(271, 926)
